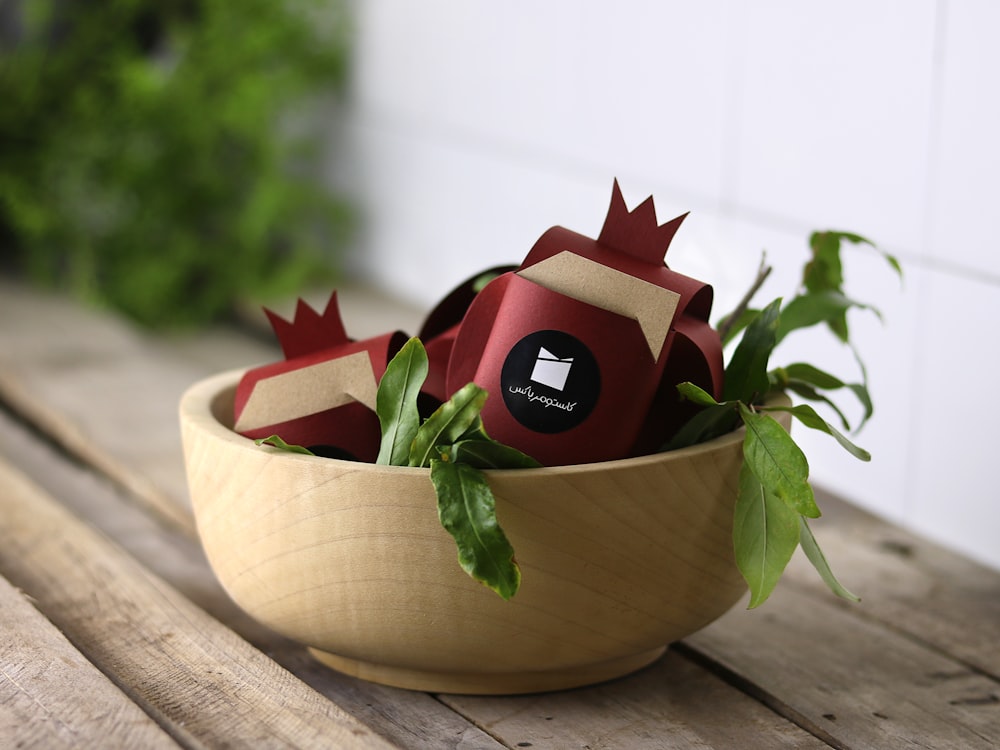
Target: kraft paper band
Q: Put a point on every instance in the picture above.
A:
(585, 280)
(309, 390)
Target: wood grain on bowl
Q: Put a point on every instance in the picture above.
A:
(618, 558)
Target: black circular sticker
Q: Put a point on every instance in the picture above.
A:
(550, 381)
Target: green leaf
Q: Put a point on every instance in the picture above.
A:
(861, 390)
(396, 402)
(813, 375)
(475, 431)
(277, 442)
(446, 425)
(825, 270)
(707, 424)
(489, 454)
(467, 510)
(814, 308)
(478, 449)
(696, 394)
(807, 391)
(811, 547)
(746, 375)
(765, 535)
(804, 379)
(777, 462)
(808, 416)
(823, 280)
(739, 324)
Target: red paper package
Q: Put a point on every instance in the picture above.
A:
(322, 395)
(582, 346)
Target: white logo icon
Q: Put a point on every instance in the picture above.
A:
(550, 370)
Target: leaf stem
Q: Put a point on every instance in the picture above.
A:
(763, 271)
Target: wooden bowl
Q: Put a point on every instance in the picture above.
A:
(618, 558)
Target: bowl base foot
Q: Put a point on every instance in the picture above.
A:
(489, 683)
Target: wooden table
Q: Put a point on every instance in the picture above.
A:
(115, 633)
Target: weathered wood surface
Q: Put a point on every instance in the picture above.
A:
(195, 677)
(917, 664)
(850, 680)
(674, 703)
(51, 696)
(910, 585)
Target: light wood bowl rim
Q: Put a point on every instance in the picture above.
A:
(201, 401)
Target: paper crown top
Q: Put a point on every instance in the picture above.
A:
(309, 332)
(636, 232)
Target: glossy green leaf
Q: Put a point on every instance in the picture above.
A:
(765, 535)
(777, 462)
(478, 449)
(808, 416)
(805, 379)
(396, 402)
(467, 509)
(489, 454)
(696, 394)
(815, 555)
(746, 375)
(475, 431)
(446, 425)
(276, 442)
(709, 423)
(812, 375)
(807, 391)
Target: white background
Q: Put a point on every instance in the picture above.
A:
(475, 126)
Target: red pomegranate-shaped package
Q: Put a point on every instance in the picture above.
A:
(322, 395)
(582, 346)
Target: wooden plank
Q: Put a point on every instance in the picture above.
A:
(416, 721)
(673, 703)
(850, 680)
(167, 551)
(413, 720)
(58, 361)
(909, 584)
(197, 679)
(52, 697)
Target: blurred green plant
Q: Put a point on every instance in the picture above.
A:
(155, 156)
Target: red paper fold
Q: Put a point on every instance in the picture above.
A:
(609, 308)
(323, 395)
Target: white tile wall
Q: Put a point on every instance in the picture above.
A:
(952, 491)
(966, 164)
(834, 104)
(475, 126)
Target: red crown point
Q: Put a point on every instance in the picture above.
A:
(310, 332)
(636, 232)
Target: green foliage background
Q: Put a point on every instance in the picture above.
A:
(148, 153)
